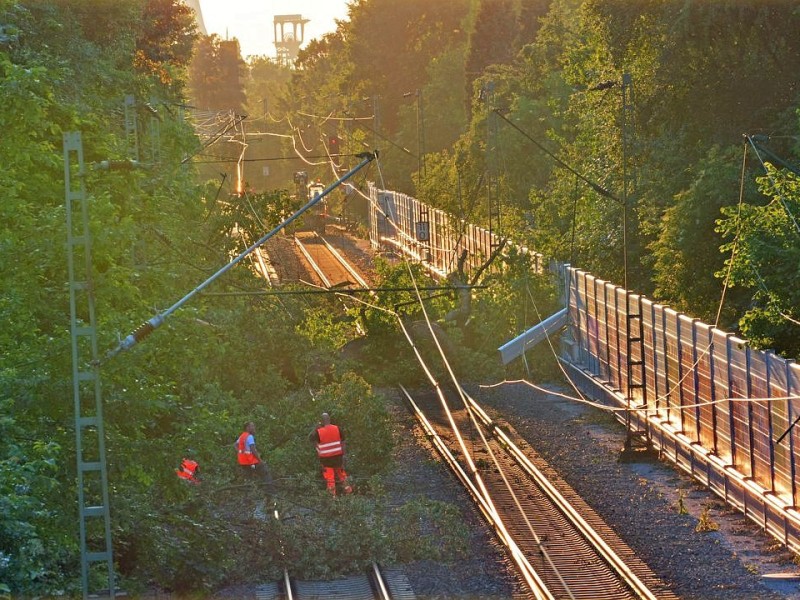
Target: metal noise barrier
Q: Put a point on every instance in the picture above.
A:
(702, 396)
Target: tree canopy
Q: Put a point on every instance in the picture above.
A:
(626, 121)
(598, 125)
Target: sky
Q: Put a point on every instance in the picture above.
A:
(251, 21)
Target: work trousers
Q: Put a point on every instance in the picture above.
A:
(333, 474)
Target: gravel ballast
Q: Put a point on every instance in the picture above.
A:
(652, 506)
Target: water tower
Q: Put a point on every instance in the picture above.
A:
(288, 43)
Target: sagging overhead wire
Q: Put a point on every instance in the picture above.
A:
(357, 190)
(623, 409)
(473, 419)
(530, 575)
(296, 130)
(371, 129)
(334, 166)
(239, 163)
(234, 121)
(477, 427)
(596, 187)
(735, 243)
(330, 117)
(773, 182)
(762, 284)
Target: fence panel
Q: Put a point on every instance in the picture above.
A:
(659, 365)
(687, 359)
(592, 326)
(615, 339)
(650, 349)
(574, 304)
(601, 315)
(743, 411)
(611, 335)
(779, 417)
(793, 413)
(704, 389)
(760, 424)
(720, 392)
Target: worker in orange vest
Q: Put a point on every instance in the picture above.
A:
(189, 471)
(249, 459)
(330, 444)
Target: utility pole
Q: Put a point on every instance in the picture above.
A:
(131, 127)
(634, 338)
(375, 121)
(493, 195)
(627, 134)
(421, 125)
(420, 131)
(92, 484)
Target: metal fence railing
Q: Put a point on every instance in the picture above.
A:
(709, 401)
(396, 221)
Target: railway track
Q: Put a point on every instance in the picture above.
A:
(561, 548)
(375, 583)
(330, 267)
(559, 545)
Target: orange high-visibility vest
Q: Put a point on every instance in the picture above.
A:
(244, 455)
(330, 441)
(188, 470)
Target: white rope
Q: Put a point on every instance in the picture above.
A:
(607, 408)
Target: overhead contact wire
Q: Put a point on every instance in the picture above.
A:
(487, 446)
(456, 431)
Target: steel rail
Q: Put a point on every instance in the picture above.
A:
(371, 585)
(263, 268)
(321, 274)
(360, 280)
(287, 583)
(381, 587)
(314, 264)
(532, 578)
(597, 542)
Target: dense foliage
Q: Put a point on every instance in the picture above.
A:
(618, 142)
(642, 104)
(158, 231)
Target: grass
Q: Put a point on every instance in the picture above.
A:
(706, 523)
